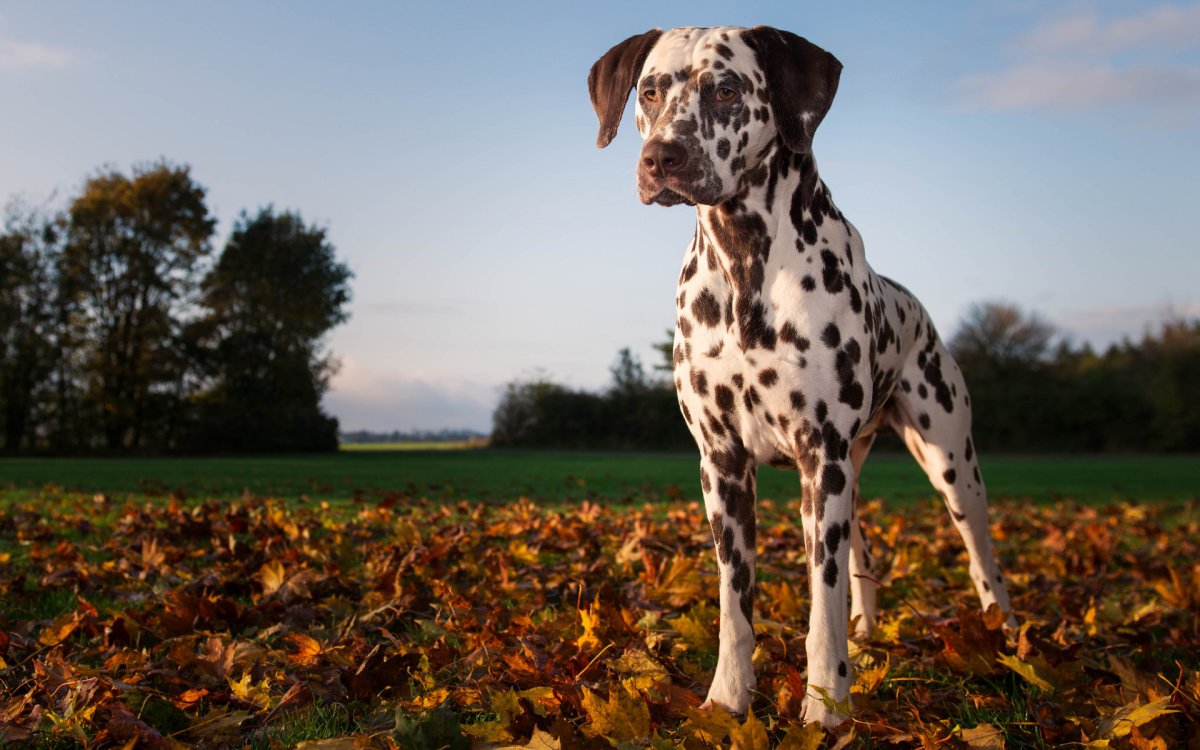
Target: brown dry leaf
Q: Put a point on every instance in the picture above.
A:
(59, 630)
(973, 646)
(679, 582)
(307, 649)
(351, 742)
(539, 741)
(983, 737)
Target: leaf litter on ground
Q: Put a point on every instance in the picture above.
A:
(410, 623)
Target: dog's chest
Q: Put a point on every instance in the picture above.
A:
(729, 381)
(754, 361)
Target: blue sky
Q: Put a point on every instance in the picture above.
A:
(1042, 153)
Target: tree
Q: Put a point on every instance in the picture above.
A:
(666, 350)
(135, 245)
(628, 375)
(276, 290)
(1000, 334)
(30, 247)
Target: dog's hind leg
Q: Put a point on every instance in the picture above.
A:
(863, 584)
(932, 413)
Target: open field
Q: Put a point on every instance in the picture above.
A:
(497, 476)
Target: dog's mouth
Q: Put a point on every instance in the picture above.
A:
(666, 192)
(668, 197)
(673, 190)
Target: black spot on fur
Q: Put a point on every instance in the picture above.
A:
(923, 419)
(831, 336)
(831, 273)
(831, 572)
(833, 479)
(833, 538)
(768, 377)
(724, 397)
(706, 309)
(689, 270)
(949, 475)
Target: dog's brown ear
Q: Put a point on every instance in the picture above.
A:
(801, 79)
(613, 77)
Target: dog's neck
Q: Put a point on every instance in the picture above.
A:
(783, 187)
(741, 233)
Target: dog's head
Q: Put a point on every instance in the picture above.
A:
(710, 103)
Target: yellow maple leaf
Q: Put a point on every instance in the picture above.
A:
(642, 672)
(867, 681)
(750, 735)
(710, 725)
(272, 576)
(624, 717)
(696, 628)
(806, 737)
(246, 691)
(1122, 721)
(1035, 670)
(590, 618)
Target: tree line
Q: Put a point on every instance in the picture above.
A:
(120, 332)
(1031, 391)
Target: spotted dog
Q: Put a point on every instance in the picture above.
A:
(789, 350)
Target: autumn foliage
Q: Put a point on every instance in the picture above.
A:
(400, 622)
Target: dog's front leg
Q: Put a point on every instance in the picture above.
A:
(727, 477)
(825, 510)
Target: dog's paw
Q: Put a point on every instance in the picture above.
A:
(735, 702)
(821, 709)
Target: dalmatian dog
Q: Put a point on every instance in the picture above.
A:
(789, 350)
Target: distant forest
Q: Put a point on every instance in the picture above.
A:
(120, 332)
(1031, 391)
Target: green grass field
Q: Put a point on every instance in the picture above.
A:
(496, 475)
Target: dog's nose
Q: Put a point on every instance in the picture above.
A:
(664, 157)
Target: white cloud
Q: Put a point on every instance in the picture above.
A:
(1070, 87)
(366, 400)
(1080, 62)
(20, 55)
(1166, 27)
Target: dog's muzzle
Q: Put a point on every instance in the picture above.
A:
(663, 173)
(676, 171)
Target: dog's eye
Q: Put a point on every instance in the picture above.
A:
(725, 94)
(650, 95)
